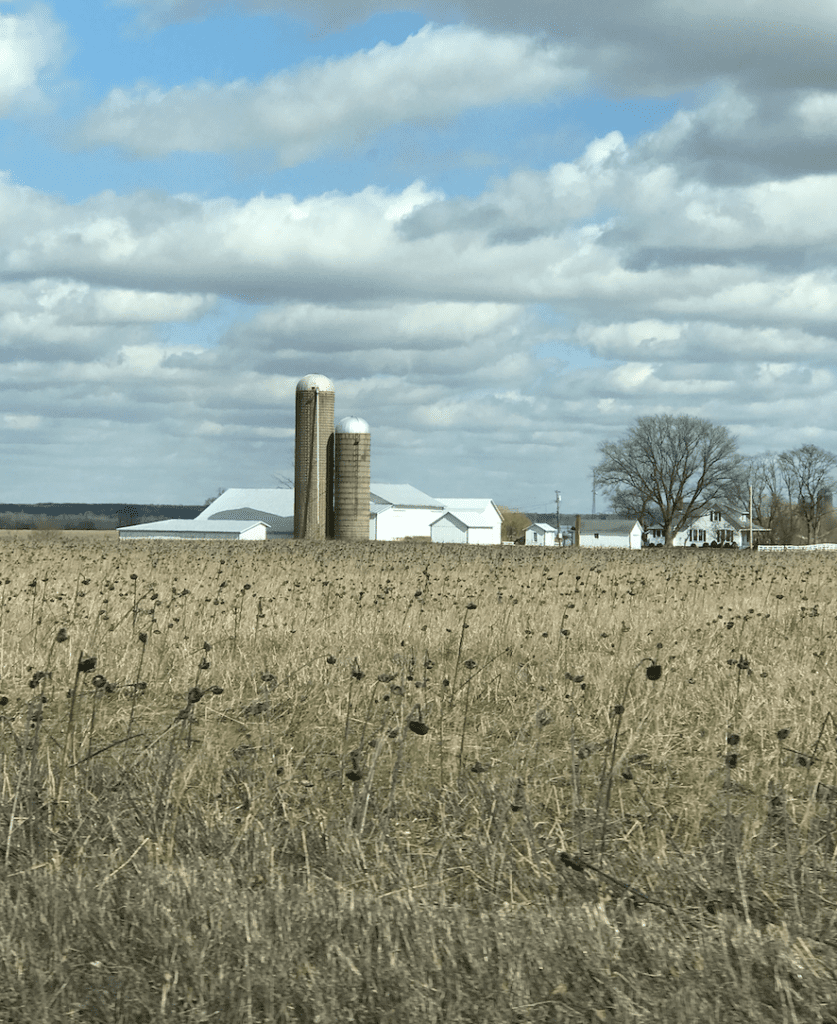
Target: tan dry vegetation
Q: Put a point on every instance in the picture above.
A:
(366, 783)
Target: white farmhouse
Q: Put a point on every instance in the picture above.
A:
(714, 529)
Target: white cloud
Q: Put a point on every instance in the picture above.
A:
(12, 422)
(646, 45)
(432, 76)
(30, 44)
(435, 316)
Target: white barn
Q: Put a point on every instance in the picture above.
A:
(240, 513)
(271, 505)
(480, 517)
(399, 510)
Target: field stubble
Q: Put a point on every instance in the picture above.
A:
(323, 782)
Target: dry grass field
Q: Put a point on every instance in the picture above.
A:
(407, 783)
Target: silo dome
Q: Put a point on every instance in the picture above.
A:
(315, 382)
(352, 425)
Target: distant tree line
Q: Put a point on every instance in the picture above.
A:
(43, 521)
(92, 517)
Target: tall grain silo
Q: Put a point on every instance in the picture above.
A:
(314, 460)
(351, 479)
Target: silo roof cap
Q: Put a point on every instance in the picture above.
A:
(315, 382)
(352, 425)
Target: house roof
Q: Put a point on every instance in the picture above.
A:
(543, 527)
(275, 501)
(607, 526)
(404, 495)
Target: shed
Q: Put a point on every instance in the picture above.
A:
(607, 533)
(541, 534)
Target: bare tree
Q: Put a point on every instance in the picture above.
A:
(515, 523)
(668, 470)
(771, 508)
(808, 473)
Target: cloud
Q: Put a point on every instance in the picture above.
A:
(648, 46)
(30, 44)
(528, 322)
(432, 76)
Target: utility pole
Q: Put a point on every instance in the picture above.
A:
(751, 517)
(594, 492)
(558, 515)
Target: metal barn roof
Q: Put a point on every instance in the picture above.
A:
(275, 501)
(480, 511)
(404, 495)
(194, 526)
(276, 524)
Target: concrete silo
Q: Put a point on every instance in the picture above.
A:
(351, 479)
(314, 459)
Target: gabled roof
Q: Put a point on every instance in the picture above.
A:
(472, 518)
(404, 495)
(543, 527)
(482, 511)
(276, 501)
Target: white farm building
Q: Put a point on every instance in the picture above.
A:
(240, 513)
(605, 533)
(396, 512)
(196, 529)
(541, 534)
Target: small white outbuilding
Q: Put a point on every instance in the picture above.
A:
(607, 533)
(541, 534)
(479, 516)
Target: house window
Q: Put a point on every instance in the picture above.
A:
(696, 536)
(715, 517)
(596, 536)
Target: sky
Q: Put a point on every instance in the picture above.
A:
(503, 228)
